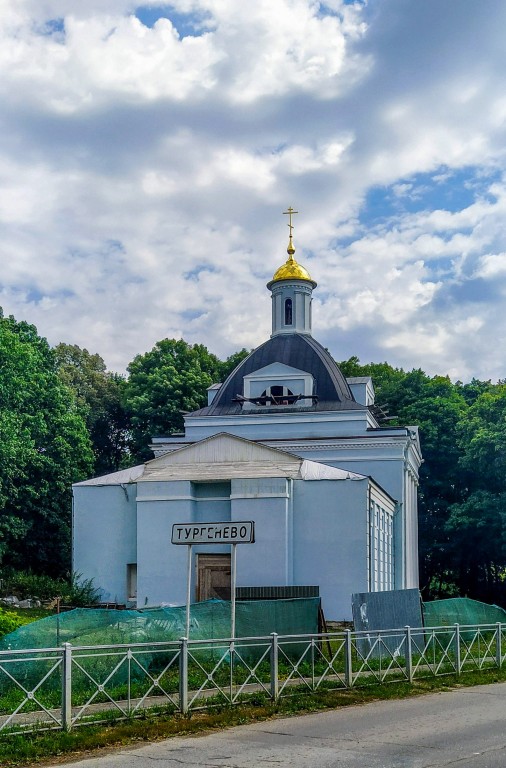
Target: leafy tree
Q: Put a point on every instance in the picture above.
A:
(477, 525)
(231, 363)
(482, 440)
(44, 448)
(477, 536)
(437, 406)
(163, 384)
(474, 389)
(98, 396)
(385, 378)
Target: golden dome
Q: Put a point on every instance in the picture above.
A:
(291, 269)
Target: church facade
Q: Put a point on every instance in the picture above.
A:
(286, 442)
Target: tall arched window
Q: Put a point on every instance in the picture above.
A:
(288, 312)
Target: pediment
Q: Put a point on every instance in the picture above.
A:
(275, 370)
(222, 450)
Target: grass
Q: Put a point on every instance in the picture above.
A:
(45, 746)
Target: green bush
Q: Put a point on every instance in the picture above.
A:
(8, 622)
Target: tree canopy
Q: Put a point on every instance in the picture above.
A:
(163, 383)
(98, 395)
(44, 448)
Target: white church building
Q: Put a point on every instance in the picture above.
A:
(286, 442)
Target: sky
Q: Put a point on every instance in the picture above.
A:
(147, 153)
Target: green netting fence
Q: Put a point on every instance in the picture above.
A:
(208, 620)
(461, 610)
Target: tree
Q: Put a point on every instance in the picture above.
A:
(164, 383)
(482, 440)
(385, 378)
(44, 448)
(437, 406)
(477, 535)
(474, 389)
(98, 396)
(477, 525)
(231, 363)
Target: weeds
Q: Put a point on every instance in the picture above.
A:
(75, 591)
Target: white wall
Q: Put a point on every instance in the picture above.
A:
(267, 562)
(104, 537)
(330, 532)
(161, 570)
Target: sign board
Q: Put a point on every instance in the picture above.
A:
(237, 532)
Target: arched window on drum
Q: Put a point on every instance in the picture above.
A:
(288, 312)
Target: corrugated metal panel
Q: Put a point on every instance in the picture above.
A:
(392, 609)
(276, 593)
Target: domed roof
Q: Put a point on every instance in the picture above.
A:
(291, 270)
(298, 351)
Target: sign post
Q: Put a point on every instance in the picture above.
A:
(233, 533)
(232, 590)
(188, 590)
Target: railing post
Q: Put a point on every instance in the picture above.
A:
(183, 675)
(498, 645)
(348, 664)
(409, 654)
(457, 649)
(274, 667)
(312, 662)
(66, 698)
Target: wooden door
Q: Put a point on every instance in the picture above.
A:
(213, 577)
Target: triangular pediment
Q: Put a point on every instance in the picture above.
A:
(276, 370)
(225, 455)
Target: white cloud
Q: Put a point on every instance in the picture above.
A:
(143, 173)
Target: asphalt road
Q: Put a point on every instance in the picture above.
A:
(461, 728)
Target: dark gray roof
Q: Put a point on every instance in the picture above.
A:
(298, 351)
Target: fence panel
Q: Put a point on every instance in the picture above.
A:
(68, 686)
(124, 679)
(31, 688)
(224, 671)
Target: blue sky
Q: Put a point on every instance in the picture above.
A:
(147, 152)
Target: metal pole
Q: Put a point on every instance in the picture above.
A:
(232, 595)
(498, 649)
(409, 654)
(188, 590)
(458, 665)
(183, 675)
(67, 687)
(348, 663)
(274, 667)
(232, 618)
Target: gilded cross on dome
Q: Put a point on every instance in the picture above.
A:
(290, 212)
(291, 270)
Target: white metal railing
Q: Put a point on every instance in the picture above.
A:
(70, 685)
